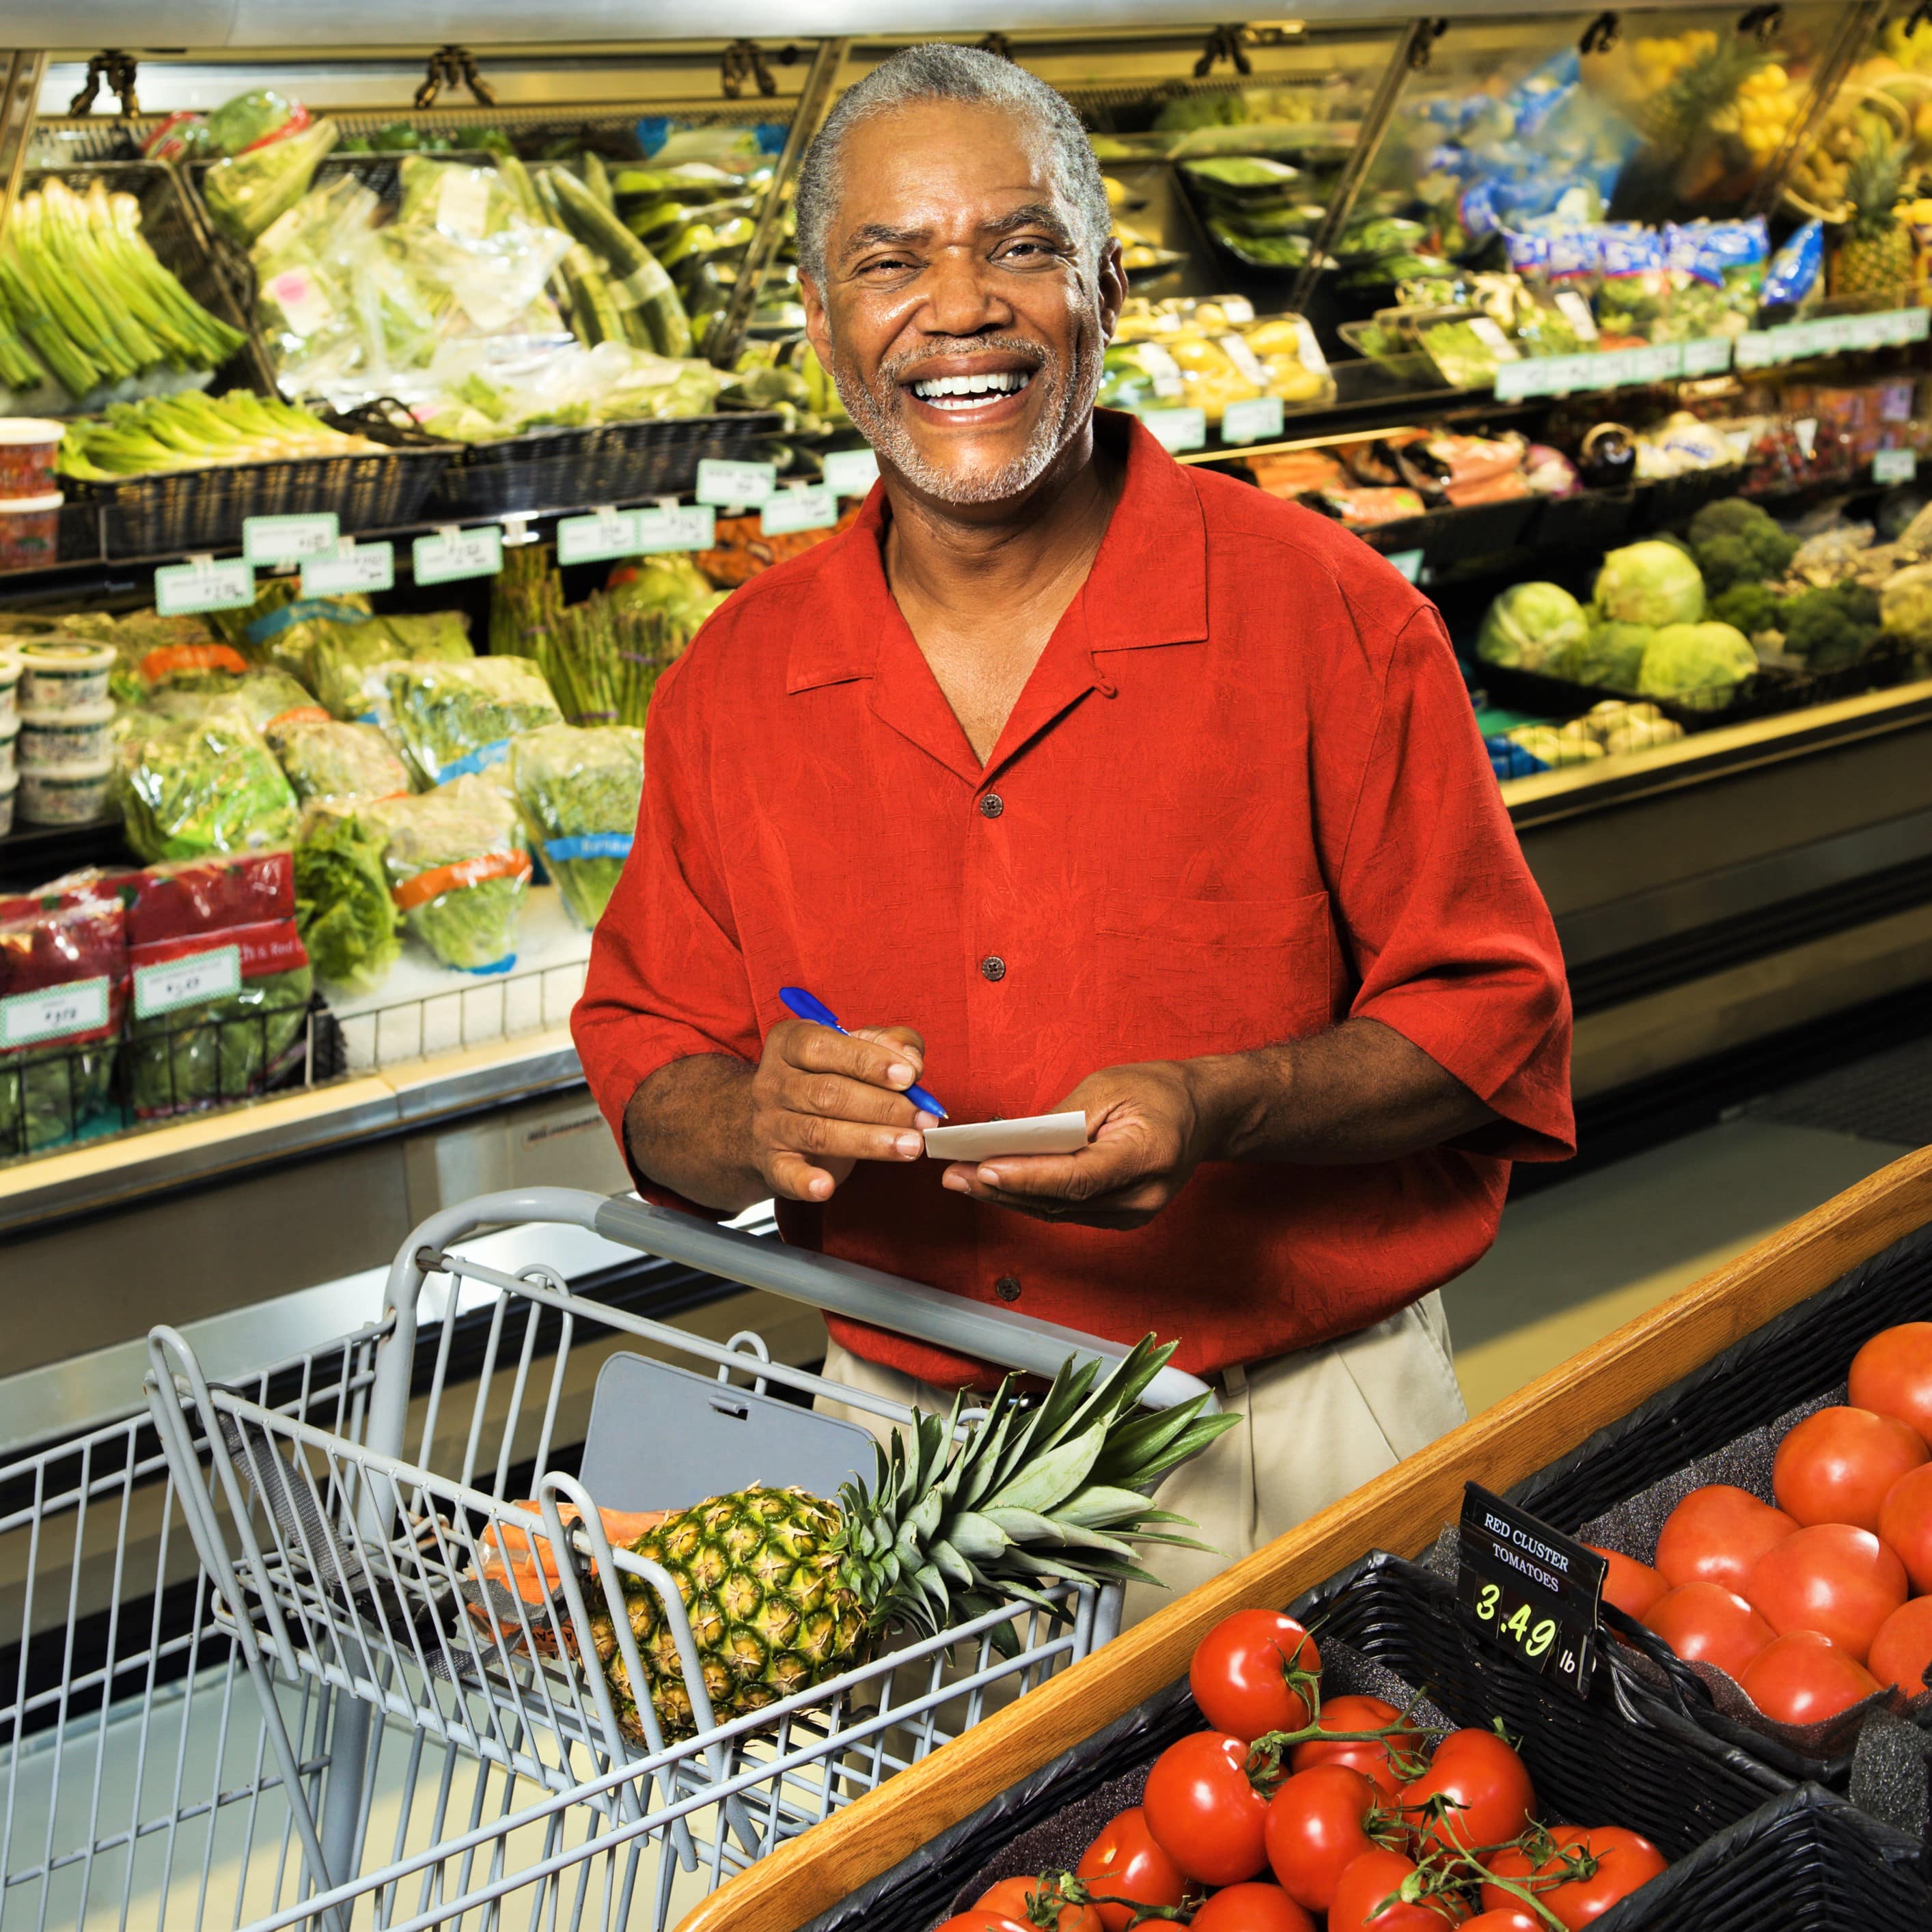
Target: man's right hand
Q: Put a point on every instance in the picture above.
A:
(821, 1100)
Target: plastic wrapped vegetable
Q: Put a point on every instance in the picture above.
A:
(458, 870)
(253, 120)
(1530, 625)
(247, 192)
(221, 981)
(451, 719)
(64, 957)
(325, 758)
(1650, 582)
(192, 786)
(1699, 665)
(580, 790)
(350, 925)
(331, 644)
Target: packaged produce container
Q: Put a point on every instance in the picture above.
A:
(58, 675)
(10, 685)
(65, 794)
(60, 740)
(28, 446)
(10, 735)
(29, 531)
(9, 791)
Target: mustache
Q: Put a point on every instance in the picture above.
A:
(900, 367)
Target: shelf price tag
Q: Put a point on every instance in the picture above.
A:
(1894, 466)
(1709, 355)
(1408, 562)
(674, 525)
(1534, 1592)
(201, 583)
(452, 555)
(268, 540)
(596, 538)
(1254, 420)
(1753, 349)
(1176, 429)
(814, 507)
(720, 482)
(355, 566)
(171, 985)
(850, 473)
(59, 1013)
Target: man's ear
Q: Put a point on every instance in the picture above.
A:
(817, 330)
(1113, 282)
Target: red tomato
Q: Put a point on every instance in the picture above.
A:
(1803, 1678)
(1831, 1578)
(981, 1920)
(1836, 1465)
(1124, 1863)
(1490, 1793)
(1240, 1672)
(1905, 1524)
(1371, 1759)
(1903, 1648)
(1373, 1877)
(1020, 1898)
(1251, 1908)
(1203, 1809)
(1508, 1918)
(1705, 1623)
(1317, 1827)
(1631, 1585)
(1716, 1534)
(1892, 1373)
(1614, 1863)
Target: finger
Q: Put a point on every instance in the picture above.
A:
(1095, 1170)
(820, 1139)
(903, 1037)
(817, 1049)
(836, 1098)
(794, 1178)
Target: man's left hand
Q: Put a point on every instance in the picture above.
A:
(1147, 1132)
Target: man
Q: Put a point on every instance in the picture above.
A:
(1085, 781)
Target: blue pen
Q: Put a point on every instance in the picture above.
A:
(802, 1002)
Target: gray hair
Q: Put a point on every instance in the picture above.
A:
(938, 71)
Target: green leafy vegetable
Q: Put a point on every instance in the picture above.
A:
(580, 790)
(1528, 624)
(1699, 665)
(458, 868)
(448, 719)
(352, 927)
(1650, 583)
(325, 758)
(195, 786)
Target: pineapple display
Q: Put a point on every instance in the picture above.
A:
(784, 1589)
(1873, 254)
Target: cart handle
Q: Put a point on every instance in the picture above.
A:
(996, 1335)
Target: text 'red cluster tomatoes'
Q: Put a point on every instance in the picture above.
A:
(1242, 1671)
(1892, 1374)
(1716, 1535)
(1836, 1466)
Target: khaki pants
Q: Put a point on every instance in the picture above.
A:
(1315, 1424)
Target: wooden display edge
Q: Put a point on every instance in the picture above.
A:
(1401, 1510)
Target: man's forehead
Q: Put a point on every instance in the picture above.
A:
(968, 158)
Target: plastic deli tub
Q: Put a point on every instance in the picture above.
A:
(10, 735)
(29, 531)
(65, 794)
(59, 676)
(9, 791)
(28, 447)
(63, 740)
(9, 687)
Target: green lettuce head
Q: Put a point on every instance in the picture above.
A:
(1530, 626)
(1653, 583)
(1700, 665)
(1609, 657)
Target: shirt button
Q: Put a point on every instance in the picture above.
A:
(991, 805)
(992, 967)
(1007, 1288)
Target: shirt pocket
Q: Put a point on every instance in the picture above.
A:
(1181, 977)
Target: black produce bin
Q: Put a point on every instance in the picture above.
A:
(1387, 1627)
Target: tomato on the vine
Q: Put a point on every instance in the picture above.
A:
(1902, 1651)
(1835, 1466)
(1241, 1670)
(1504, 1919)
(1029, 1900)
(1370, 1758)
(979, 1919)
(1486, 1793)
(1252, 1907)
(1204, 1810)
(1715, 1535)
(1125, 1864)
(1609, 1862)
(1892, 1373)
(1632, 1586)
(1803, 1678)
(1706, 1623)
(1831, 1578)
(1379, 1875)
(1318, 1825)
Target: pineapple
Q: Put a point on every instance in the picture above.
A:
(784, 1590)
(1873, 256)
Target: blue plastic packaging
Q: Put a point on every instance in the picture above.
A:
(1794, 271)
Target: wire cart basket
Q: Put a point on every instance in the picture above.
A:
(376, 1561)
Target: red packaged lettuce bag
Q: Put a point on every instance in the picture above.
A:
(219, 981)
(63, 993)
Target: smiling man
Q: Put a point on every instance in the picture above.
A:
(1088, 782)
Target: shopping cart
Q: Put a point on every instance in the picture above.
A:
(378, 1561)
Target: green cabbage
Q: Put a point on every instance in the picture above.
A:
(1650, 582)
(580, 789)
(1608, 656)
(1699, 665)
(1530, 625)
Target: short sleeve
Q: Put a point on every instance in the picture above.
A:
(1453, 945)
(666, 980)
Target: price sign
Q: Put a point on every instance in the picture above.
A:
(1408, 562)
(215, 974)
(813, 508)
(1710, 355)
(1254, 420)
(722, 482)
(850, 473)
(1177, 429)
(677, 527)
(186, 590)
(1894, 466)
(452, 555)
(1753, 349)
(596, 538)
(1915, 325)
(1534, 1592)
(355, 566)
(268, 540)
(56, 1012)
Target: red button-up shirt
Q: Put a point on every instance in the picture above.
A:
(1241, 798)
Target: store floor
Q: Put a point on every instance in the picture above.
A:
(1576, 1260)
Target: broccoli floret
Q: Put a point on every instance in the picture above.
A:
(1830, 628)
(1738, 542)
(1751, 607)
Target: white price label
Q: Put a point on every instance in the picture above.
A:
(1163, 371)
(1805, 429)
(370, 566)
(1252, 420)
(57, 1012)
(1408, 562)
(273, 540)
(215, 974)
(1244, 359)
(1533, 377)
(677, 527)
(1574, 308)
(1894, 466)
(1753, 349)
(1177, 429)
(1489, 334)
(305, 308)
(186, 590)
(450, 556)
(463, 202)
(1915, 325)
(722, 482)
(814, 508)
(597, 537)
(851, 473)
(1710, 355)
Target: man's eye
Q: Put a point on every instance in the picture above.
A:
(1029, 251)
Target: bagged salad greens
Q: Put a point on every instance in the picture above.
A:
(451, 719)
(331, 644)
(192, 786)
(1717, 276)
(248, 192)
(54, 1085)
(458, 869)
(325, 758)
(480, 391)
(221, 981)
(580, 790)
(352, 927)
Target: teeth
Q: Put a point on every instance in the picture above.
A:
(961, 389)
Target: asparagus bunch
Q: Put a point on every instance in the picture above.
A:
(82, 292)
(191, 431)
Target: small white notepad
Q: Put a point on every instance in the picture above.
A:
(986, 1140)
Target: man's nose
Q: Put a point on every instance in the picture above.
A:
(960, 298)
